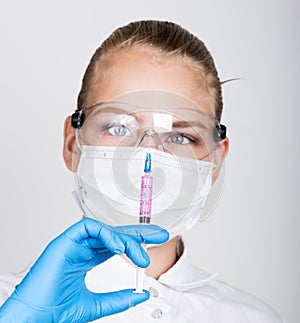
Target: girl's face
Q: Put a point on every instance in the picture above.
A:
(139, 69)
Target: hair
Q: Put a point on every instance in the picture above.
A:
(171, 39)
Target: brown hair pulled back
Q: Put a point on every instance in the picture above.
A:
(170, 38)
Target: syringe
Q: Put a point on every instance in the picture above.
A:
(145, 214)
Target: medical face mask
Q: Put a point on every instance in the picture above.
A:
(108, 185)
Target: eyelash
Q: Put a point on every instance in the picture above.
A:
(192, 140)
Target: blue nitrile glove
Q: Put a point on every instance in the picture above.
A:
(54, 289)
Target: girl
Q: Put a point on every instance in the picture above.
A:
(151, 86)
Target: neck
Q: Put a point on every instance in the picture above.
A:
(162, 258)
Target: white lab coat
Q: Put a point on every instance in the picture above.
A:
(183, 294)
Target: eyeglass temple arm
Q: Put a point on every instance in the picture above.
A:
(221, 131)
(77, 119)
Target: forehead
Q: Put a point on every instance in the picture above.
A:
(142, 68)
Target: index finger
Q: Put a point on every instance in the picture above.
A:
(145, 233)
(88, 228)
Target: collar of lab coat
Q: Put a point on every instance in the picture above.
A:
(184, 276)
(116, 274)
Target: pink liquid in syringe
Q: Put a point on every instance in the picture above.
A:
(146, 192)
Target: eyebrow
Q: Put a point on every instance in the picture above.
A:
(111, 110)
(188, 124)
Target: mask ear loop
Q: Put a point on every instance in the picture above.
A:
(217, 188)
(77, 135)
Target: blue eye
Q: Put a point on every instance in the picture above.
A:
(118, 130)
(180, 139)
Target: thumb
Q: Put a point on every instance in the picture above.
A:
(115, 302)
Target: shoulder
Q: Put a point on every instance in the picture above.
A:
(229, 302)
(203, 296)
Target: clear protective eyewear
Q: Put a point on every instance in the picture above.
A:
(168, 123)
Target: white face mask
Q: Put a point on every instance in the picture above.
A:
(108, 181)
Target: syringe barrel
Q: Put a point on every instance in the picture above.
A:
(146, 198)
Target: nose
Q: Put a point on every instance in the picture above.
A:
(150, 139)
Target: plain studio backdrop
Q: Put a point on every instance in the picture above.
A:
(251, 239)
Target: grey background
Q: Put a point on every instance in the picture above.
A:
(252, 238)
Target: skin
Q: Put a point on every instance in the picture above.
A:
(144, 68)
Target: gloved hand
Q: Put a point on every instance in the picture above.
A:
(54, 289)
